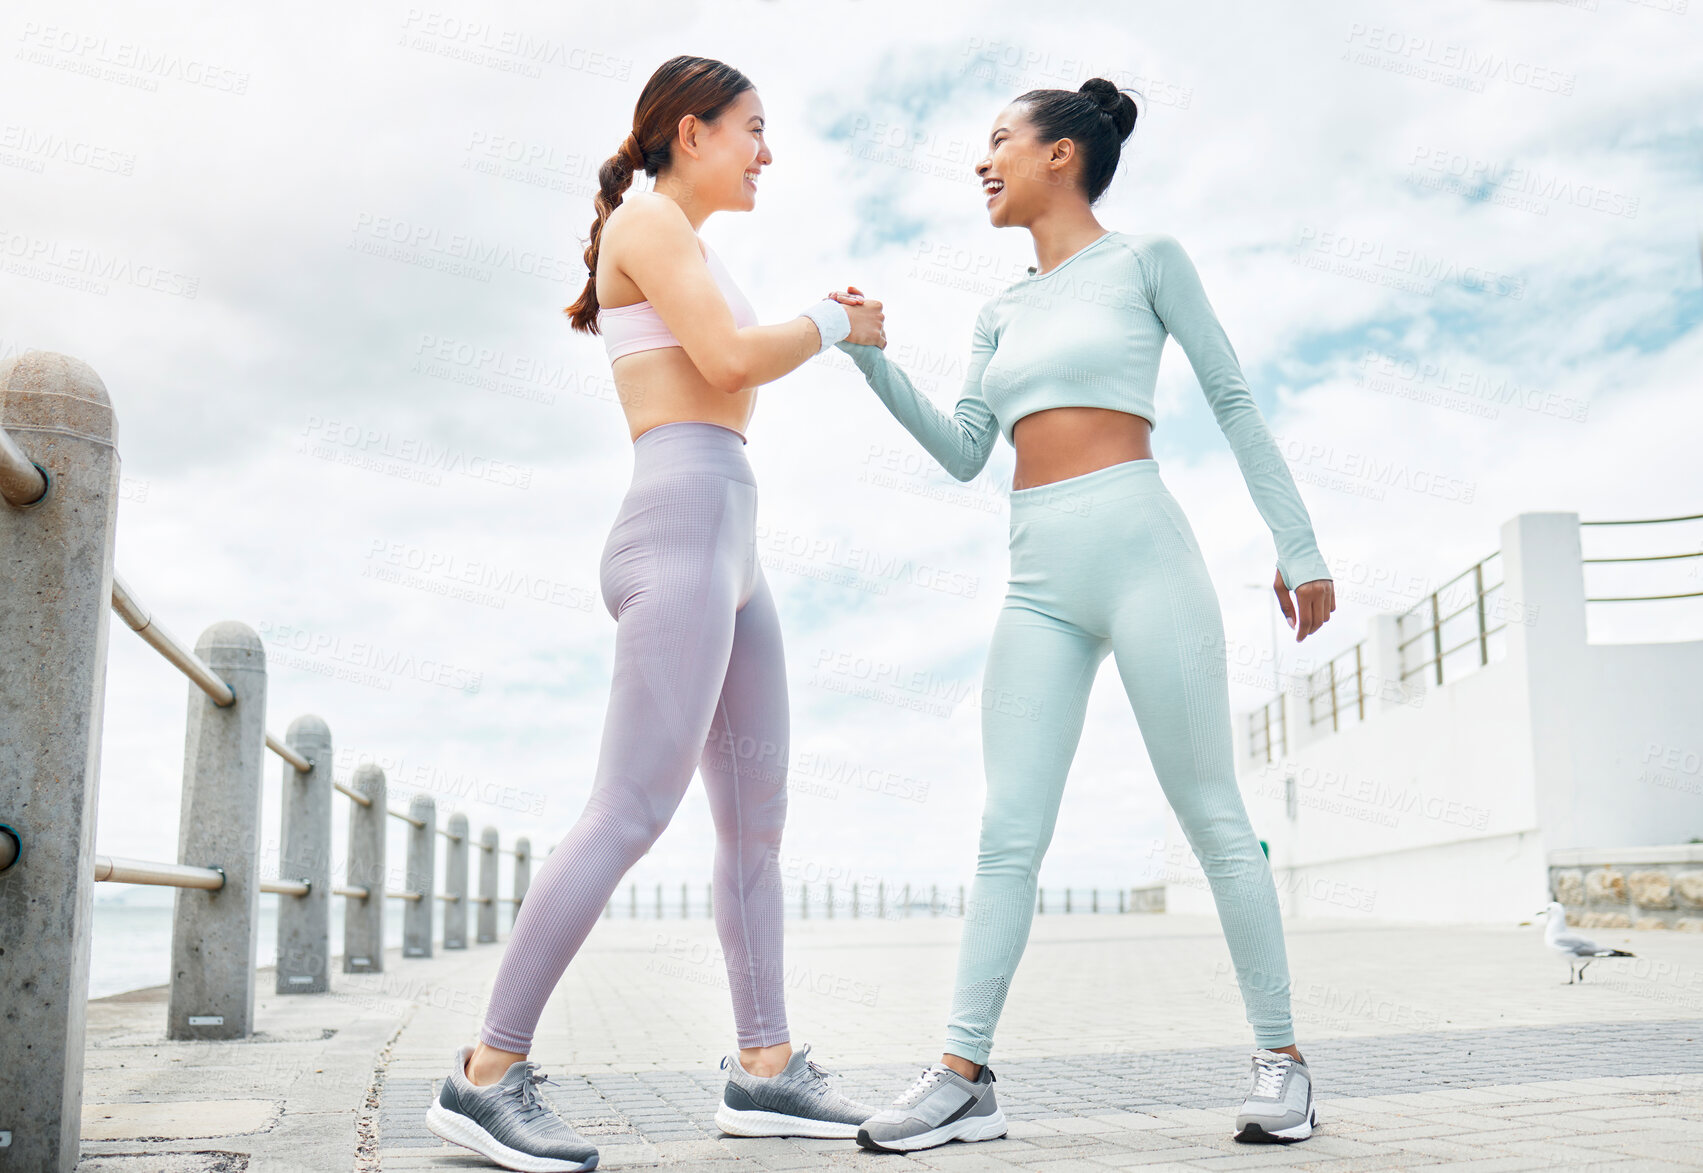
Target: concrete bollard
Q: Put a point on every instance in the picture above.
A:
(487, 930)
(522, 874)
(455, 884)
(418, 915)
(55, 591)
(304, 853)
(363, 919)
(215, 935)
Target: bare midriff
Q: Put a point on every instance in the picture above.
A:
(1063, 442)
(663, 387)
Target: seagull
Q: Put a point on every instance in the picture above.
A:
(1578, 951)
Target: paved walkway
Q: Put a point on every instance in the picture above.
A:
(1122, 1046)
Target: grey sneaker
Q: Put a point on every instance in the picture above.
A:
(940, 1106)
(795, 1101)
(508, 1121)
(1279, 1105)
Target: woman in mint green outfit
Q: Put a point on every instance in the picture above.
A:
(1103, 562)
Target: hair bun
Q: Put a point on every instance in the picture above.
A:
(1113, 102)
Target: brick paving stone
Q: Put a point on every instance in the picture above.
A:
(1432, 1047)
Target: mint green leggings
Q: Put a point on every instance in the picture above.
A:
(1107, 563)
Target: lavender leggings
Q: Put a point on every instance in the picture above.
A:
(700, 682)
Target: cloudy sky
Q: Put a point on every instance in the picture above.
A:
(320, 259)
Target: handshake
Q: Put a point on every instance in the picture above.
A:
(868, 325)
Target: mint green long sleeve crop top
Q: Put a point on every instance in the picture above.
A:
(1088, 333)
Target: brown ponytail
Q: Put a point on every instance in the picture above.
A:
(680, 86)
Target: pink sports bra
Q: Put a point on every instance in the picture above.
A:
(628, 329)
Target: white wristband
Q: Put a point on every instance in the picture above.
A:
(832, 321)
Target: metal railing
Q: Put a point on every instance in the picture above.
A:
(857, 900)
(1451, 630)
(1266, 737)
(363, 952)
(23, 482)
(59, 475)
(1430, 635)
(1645, 558)
(1342, 684)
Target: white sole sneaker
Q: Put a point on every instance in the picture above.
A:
(760, 1123)
(458, 1129)
(970, 1128)
(1254, 1134)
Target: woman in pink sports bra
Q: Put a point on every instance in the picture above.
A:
(700, 678)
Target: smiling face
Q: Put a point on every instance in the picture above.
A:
(1021, 175)
(730, 153)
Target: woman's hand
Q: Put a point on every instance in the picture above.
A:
(1314, 601)
(868, 324)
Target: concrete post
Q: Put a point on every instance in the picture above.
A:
(1385, 689)
(55, 591)
(522, 874)
(418, 915)
(1543, 604)
(304, 922)
(487, 931)
(215, 935)
(363, 920)
(455, 884)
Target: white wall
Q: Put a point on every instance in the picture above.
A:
(1443, 804)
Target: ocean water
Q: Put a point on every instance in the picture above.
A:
(131, 948)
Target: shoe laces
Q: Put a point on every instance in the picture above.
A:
(924, 1084)
(820, 1082)
(1269, 1075)
(532, 1103)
